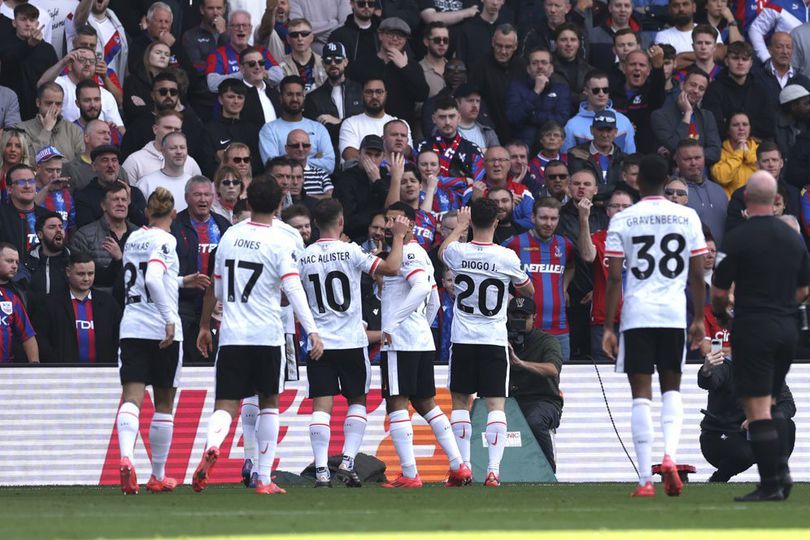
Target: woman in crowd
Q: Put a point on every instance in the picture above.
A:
(738, 156)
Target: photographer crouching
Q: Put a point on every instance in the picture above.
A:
(534, 376)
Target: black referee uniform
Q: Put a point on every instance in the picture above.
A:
(767, 262)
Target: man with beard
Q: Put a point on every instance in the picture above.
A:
(793, 117)
(88, 99)
(358, 34)
(370, 122)
(197, 231)
(468, 99)
(437, 42)
(113, 42)
(506, 204)
(166, 97)
(273, 136)
(458, 157)
(52, 187)
(46, 263)
(679, 35)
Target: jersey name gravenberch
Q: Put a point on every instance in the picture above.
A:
(252, 260)
(141, 319)
(414, 332)
(482, 274)
(331, 271)
(657, 238)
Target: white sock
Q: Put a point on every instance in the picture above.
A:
(353, 430)
(462, 429)
(671, 421)
(319, 434)
(218, 426)
(249, 414)
(642, 427)
(128, 423)
(267, 435)
(160, 438)
(402, 436)
(496, 440)
(444, 435)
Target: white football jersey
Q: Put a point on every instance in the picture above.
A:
(252, 261)
(141, 318)
(297, 243)
(657, 238)
(482, 274)
(413, 334)
(331, 271)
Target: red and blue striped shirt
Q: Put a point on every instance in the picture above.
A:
(14, 323)
(85, 328)
(225, 60)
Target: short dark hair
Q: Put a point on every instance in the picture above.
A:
(669, 51)
(687, 143)
(86, 30)
(767, 146)
(652, 172)
(264, 195)
(431, 26)
(704, 29)
(18, 167)
(556, 163)
(372, 79)
(80, 257)
(291, 79)
(29, 11)
(444, 103)
(483, 213)
(409, 212)
(626, 32)
(546, 202)
(568, 26)
(694, 70)
(48, 85)
(630, 160)
(594, 74)
(165, 76)
(739, 48)
(87, 83)
(45, 216)
(296, 210)
(241, 206)
(278, 161)
(232, 84)
(8, 245)
(326, 213)
(248, 50)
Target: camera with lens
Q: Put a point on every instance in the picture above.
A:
(519, 310)
(516, 332)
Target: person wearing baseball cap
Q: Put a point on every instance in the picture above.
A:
(534, 375)
(52, 187)
(600, 154)
(362, 188)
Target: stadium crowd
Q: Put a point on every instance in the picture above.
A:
(545, 107)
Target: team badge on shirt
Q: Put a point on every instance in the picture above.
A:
(7, 308)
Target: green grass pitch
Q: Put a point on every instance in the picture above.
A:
(565, 511)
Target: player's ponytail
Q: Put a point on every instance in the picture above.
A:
(160, 203)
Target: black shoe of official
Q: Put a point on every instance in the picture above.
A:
(322, 479)
(787, 484)
(762, 495)
(349, 478)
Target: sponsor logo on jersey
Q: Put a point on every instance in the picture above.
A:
(85, 325)
(544, 268)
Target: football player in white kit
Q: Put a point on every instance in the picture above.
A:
(479, 350)
(662, 243)
(409, 304)
(255, 262)
(150, 350)
(331, 270)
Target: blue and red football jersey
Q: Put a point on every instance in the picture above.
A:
(444, 323)
(424, 229)
(61, 202)
(85, 328)
(545, 261)
(225, 60)
(208, 235)
(14, 323)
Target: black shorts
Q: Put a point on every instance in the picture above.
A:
(479, 369)
(247, 370)
(762, 350)
(408, 373)
(143, 361)
(641, 350)
(339, 371)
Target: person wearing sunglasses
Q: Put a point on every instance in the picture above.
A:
(316, 182)
(597, 99)
(302, 61)
(324, 17)
(437, 42)
(18, 218)
(229, 188)
(359, 33)
(475, 34)
(52, 187)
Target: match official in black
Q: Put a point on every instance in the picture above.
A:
(768, 264)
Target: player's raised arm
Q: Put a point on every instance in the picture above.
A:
(461, 229)
(391, 265)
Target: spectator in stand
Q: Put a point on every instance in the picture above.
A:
(677, 191)
(704, 45)
(475, 33)
(537, 98)
(358, 35)
(370, 122)
(299, 217)
(272, 30)
(569, 58)
(302, 61)
(232, 125)
(107, 172)
(452, 14)
(18, 218)
(519, 171)
(18, 329)
(44, 22)
(325, 17)
(683, 117)
(458, 157)
(542, 34)
(736, 90)
(150, 158)
(103, 76)
(273, 135)
(14, 144)
(641, 93)
(620, 17)
(455, 74)
(228, 189)
(224, 62)
(777, 72)
(88, 99)
(172, 175)
(551, 280)
(138, 90)
(720, 17)
(46, 263)
(443, 323)
(506, 228)
(597, 99)
(550, 137)
(405, 186)
(238, 156)
(556, 182)
(197, 231)
(48, 128)
(706, 197)
(9, 109)
(202, 40)
(105, 237)
(375, 241)
(798, 161)
(362, 188)
(793, 117)
(111, 41)
(468, 99)
(776, 16)
(79, 170)
(492, 76)
(600, 153)
(25, 56)
(738, 157)
(261, 99)
(78, 325)
(679, 35)
(316, 181)
(52, 187)
(437, 42)
(448, 191)
(625, 41)
(337, 98)
(498, 164)
(591, 249)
